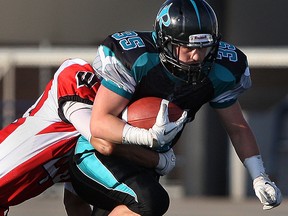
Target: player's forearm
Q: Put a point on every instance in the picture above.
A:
(245, 144)
(105, 123)
(137, 154)
(109, 128)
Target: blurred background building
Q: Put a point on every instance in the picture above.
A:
(36, 36)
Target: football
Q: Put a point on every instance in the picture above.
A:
(143, 112)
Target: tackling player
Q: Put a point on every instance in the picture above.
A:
(183, 61)
(34, 149)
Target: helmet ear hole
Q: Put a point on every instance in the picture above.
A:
(168, 48)
(160, 37)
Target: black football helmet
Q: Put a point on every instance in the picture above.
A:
(190, 23)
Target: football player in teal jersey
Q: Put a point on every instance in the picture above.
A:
(183, 61)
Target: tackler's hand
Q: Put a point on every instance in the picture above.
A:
(166, 162)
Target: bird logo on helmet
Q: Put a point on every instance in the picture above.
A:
(163, 16)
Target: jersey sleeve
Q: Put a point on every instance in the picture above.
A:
(230, 76)
(76, 82)
(230, 96)
(114, 75)
(122, 61)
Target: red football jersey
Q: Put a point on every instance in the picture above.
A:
(34, 149)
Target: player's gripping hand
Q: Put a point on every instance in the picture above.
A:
(267, 192)
(164, 131)
(166, 162)
(161, 134)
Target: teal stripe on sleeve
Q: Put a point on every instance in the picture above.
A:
(144, 64)
(110, 85)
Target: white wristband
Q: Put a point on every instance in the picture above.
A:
(135, 135)
(254, 166)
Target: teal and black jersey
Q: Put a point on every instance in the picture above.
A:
(128, 63)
